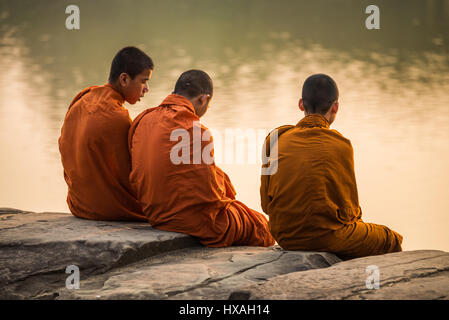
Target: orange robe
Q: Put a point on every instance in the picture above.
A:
(189, 197)
(95, 156)
(312, 199)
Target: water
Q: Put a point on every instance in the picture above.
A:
(394, 86)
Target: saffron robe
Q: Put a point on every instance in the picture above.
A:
(312, 200)
(95, 156)
(193, 196)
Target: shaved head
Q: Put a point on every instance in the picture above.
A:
(130, 60)
(319, 92)
(192, 83)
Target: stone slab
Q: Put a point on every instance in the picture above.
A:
(408, 275)
(41, 244)
(197, 273)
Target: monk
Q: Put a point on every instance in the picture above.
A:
(311, 199)
(174, 175)
(94, 142)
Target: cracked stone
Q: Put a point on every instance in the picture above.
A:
(420, 274)
(35, 245)
(199, 273)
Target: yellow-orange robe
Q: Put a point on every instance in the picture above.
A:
(192, 198)
(95, 156)
(312, 200)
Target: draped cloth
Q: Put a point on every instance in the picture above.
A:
(193, 195)
(95, 157)
(312, 199)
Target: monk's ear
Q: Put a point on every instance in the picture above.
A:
(301, 105)
(335, 107)
(204, 98)
(123, 79)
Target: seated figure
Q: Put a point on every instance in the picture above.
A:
(311, 198)
(94, 142)
(174, 175)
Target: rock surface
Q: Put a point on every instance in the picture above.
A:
(197, 273)
(421, 274)
(37, 247)
(124, 260)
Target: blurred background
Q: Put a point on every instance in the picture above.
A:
(393, 82)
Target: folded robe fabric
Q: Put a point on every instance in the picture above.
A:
(191, 195)
(95, 156)
(312, 200)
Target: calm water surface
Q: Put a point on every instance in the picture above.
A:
(394, 86)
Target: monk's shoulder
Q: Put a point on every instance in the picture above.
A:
(101, 97)
(166, 116)
(161, 119)
(340, 142)
(279, 131)
(82, 96)
(183, 116)
(89, 95)
(338, 135)
(283, 128)
(106, 113)
(145, 119)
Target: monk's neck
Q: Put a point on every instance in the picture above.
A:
(117, 89)
(193, 101)
(326, 116)
(314, 120)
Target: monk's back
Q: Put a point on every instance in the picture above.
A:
(95, 157)
(179, 187)
(168, 190)
(312, 197)
(314, 189)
